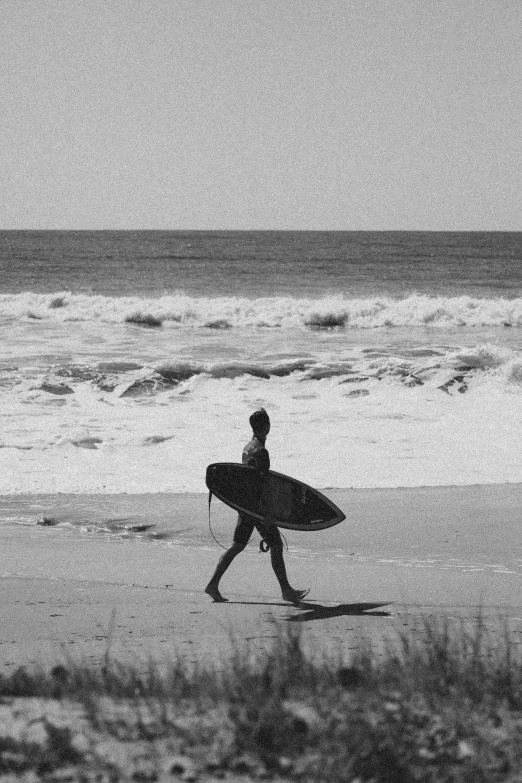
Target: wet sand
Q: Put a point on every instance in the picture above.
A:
(401, 555)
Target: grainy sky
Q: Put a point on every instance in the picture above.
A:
(261, 114)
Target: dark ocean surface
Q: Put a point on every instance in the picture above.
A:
(260, 264)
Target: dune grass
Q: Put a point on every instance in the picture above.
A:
(443, 703)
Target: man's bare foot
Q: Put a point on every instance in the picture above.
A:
(294, 596)
(214, 593)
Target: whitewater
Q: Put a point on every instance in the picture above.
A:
(134, 394)
(265, 312)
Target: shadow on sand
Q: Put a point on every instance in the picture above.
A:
(318, 612)
(312, 611)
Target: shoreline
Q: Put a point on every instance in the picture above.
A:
(104, 493)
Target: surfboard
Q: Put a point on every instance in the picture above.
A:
(291, 503)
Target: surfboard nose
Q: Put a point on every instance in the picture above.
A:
(212, 475)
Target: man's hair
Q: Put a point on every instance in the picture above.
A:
(259, 419)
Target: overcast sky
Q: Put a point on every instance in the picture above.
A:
(261, 114)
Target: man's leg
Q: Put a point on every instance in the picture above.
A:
(242, 534)
(278, 564)
(272, 537)
(224, 561)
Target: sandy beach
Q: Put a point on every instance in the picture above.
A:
(401, 554)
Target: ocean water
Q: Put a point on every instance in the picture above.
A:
(131, 360)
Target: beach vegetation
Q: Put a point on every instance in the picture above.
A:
(441, 703)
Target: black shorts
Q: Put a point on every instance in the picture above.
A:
(245, 527)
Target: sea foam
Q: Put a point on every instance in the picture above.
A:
(336, 312)
(406, 421)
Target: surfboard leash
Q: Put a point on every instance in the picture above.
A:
(264, 547)
(210, 526)
(220, 544)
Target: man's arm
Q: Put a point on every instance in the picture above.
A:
(263, 465)
(260, 460)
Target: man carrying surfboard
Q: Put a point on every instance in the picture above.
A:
(256, 455)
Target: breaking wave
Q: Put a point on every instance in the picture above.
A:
(376, 416)
(444, 368)
(339, 312)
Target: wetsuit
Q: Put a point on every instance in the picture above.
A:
(255, 455)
